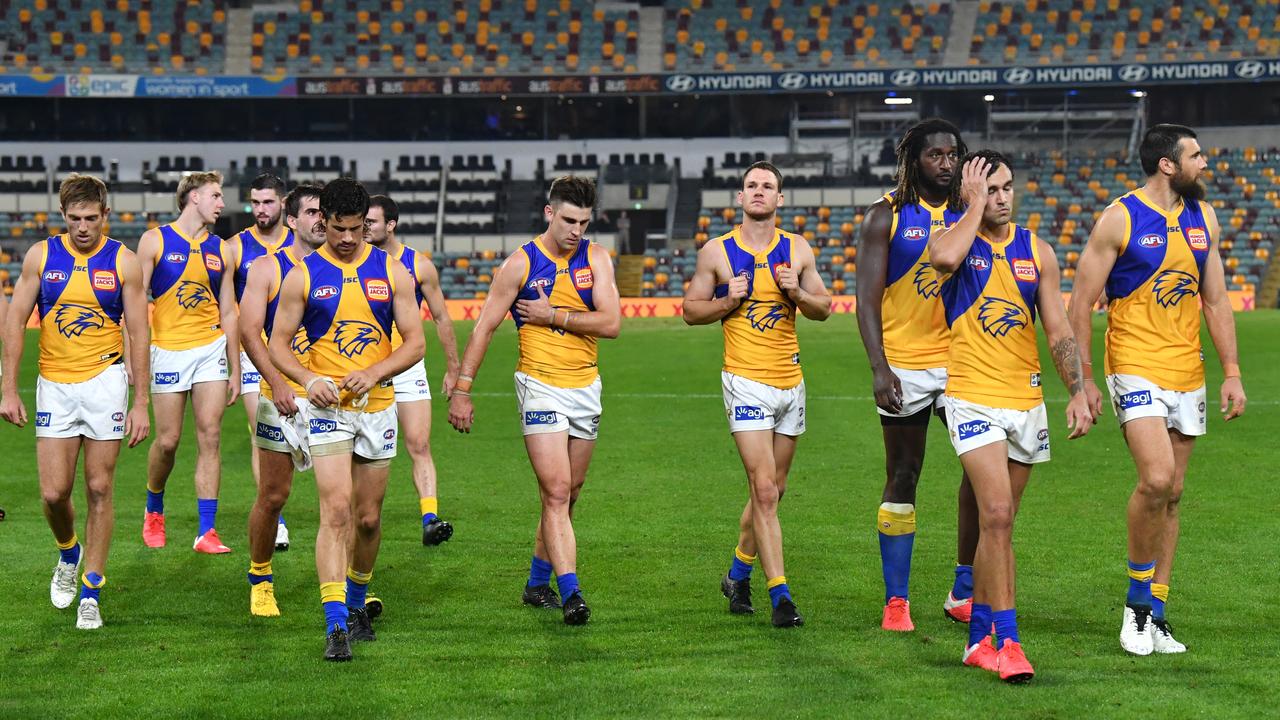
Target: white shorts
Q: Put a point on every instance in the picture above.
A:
(752, 405)
(411, 385)
(177, 370)
(250, 378)
(972, 426)
(549, 409)
(921, 390)
(283, 435)
(373, 434)
(94, 408)
(1137, 397)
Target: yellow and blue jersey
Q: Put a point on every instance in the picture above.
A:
(348, 318)
(1153, 325)
(553, 355)
(252, 247)
(282, 265)
(81, 303)
(915, 330)
(990, 306)
(760, 334)
(184, 287)
(410, 259)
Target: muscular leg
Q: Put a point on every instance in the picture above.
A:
(415, 433)
(99, 474)
(250, 402)
(369, 487)
(756, 450)
(784, 450)
(209, 401)
(1182, 447)
(334, 487)
(274, 486)
(989, 470)
(1151, 446)
(169, 409)
(904, 444)
(57, 471)
(549, 456)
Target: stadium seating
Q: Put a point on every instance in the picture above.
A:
(1049, 31)
(136, 36)
(456, 37)
(788, 34)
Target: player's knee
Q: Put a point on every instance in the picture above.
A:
(1175, 496)
(335, 517)
(273, 497)
(418, 448)
(764, 492)
(368, 522)
(166, 443)
(996, 517)
(1156, 482)
(902, 481)
(98, 490)
(55, 496)
(208, 438)
(557, 497)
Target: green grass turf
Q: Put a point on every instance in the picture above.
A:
(656, 527)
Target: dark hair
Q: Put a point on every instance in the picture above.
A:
(344, 197)
(993, 157)
(390, 211)
(908, 153)
(293, 201)
(1162, 141)
(76, 188)
(762, 165)
(268, 181)
(573, 189)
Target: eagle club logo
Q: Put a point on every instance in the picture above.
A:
(1197, 239)
(764, 314)
(1171, 286)
(1024, 270)
(213, 262)
(999, 316)
(301, 344)
(324, 292)
(73, 320)
(914, 233)
(353, 336)
(377, 290)
(191, 294)
(583, 279)
(104, 280)
(1151, 241)
(55, 276)
(926, 281)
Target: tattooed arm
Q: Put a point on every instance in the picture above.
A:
(1066, 358)
(1066, 355)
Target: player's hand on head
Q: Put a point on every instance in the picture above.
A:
(887, 388)
(137, 425)
(537, 311)
(1233, 399)
(973, 182)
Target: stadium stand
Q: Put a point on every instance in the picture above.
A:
(136, 36)
(789, 34)
(456, 37)
(1048, 31)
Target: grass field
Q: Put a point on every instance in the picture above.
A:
(656, 528)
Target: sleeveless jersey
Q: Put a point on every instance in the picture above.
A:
(990, 305)
(410, 259)
(1153, 325)
(184, 287)
(283, 264)
(252, 247)
(81, 303)
(553, 355)
(915, 330)
(348, 318)
(760, 334)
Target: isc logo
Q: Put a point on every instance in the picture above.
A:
(914, 233)
(540, 417)
(377, 290)
(104, 280)
(978, 263)
(1135, 399)
(319, 426)
(973, 428)
(324, 292)
(55, 276)
(1151, 241)
(166, 378)
(747, 412)
(270, 432)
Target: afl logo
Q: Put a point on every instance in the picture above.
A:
(213, 262)
(543, 283)
(177, 258)
(377, 290)
(1151, 241)
(792, 81)
(55, 276)
(1197, 239)
(324, 292)
(905, 78)
(1250, 69)
(1018, 75)
(583, 279)
(915, 233)
(1134, 73)
(680, 83)
(978, 263)
(389, 435)
(104, 280)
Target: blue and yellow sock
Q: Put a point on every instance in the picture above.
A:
(962, 588)
(260, 572)
(428, 506)
(333, 597)
(896, 523)
(979, 623)
(1140, 575)
(280, 520)
(1006, 626)
(539, 572)
(568, 584)
(91, 585)
(1159, 596)
(740, 569)
(778, 589)
(357, 587)
(155, 501)
(69, 550)
(208, 510)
